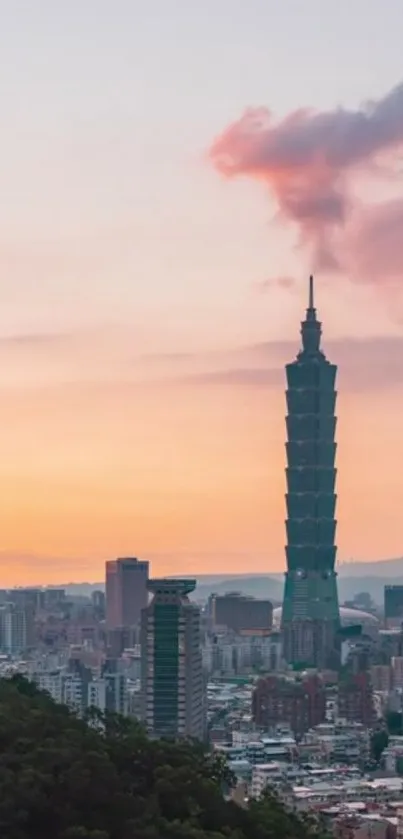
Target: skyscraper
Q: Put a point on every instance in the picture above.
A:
(393, 602)
(172, 681)
(310, 614)
(126, 592)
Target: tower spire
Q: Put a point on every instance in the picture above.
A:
(310, 327)
(311, 303)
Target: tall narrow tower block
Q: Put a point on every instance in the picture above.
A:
(310, 614)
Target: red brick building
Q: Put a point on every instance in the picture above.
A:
(355, 702)
(297, 702)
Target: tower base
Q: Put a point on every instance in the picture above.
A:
(311, 643)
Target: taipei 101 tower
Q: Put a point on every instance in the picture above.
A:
(310, 613)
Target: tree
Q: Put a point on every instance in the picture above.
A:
(394, 721)
(102, 778)
(379, 741)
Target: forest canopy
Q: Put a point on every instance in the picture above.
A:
(62, 777)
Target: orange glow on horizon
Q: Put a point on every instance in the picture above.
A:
(190, 477)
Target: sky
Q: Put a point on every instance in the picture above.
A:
(170, 174)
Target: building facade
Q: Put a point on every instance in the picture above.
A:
(109, 693)
(393, 605)
(17, 631)
(397, 671)
(356, 699)
(310, 614)
(298, 703)
(241, 613)
(126, 592)
(172, 680)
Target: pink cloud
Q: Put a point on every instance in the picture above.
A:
(309, 160)
(374, 243)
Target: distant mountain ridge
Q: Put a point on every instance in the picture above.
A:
(380, 568)
(353, 578)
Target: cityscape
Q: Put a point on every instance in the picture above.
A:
(201, 379)
(294, 695)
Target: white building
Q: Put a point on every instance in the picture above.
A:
(264, 775)
(52, 682)
(97, 694)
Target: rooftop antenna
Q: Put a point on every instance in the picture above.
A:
(311, 303)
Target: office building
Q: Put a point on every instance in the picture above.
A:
(310, 614)
(126, 592)
(393, 605)
(240, 613)
(172, 681)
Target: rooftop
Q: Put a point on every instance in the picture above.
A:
(169, 585)
(348, 617)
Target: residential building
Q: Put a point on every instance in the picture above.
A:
(355, 699)
(299, 703)
(109, 693)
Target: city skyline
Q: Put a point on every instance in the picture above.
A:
(150, 297)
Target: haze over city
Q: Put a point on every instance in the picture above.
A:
(169, 181)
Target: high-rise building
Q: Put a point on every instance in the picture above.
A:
(17, 630)
(310, 614)
(172, 679)
(126, 592)
(241, 613)
(393, 603)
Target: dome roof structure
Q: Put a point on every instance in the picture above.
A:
(348, 617)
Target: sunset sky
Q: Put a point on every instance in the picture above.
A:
(171, 171)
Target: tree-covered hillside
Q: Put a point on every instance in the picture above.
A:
(61, 778)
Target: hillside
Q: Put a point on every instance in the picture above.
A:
(64, 779)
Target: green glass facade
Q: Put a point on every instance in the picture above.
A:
(310, 615)
(166, 668)
(172, 685)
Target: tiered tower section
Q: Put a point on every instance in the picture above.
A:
(310, 615)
